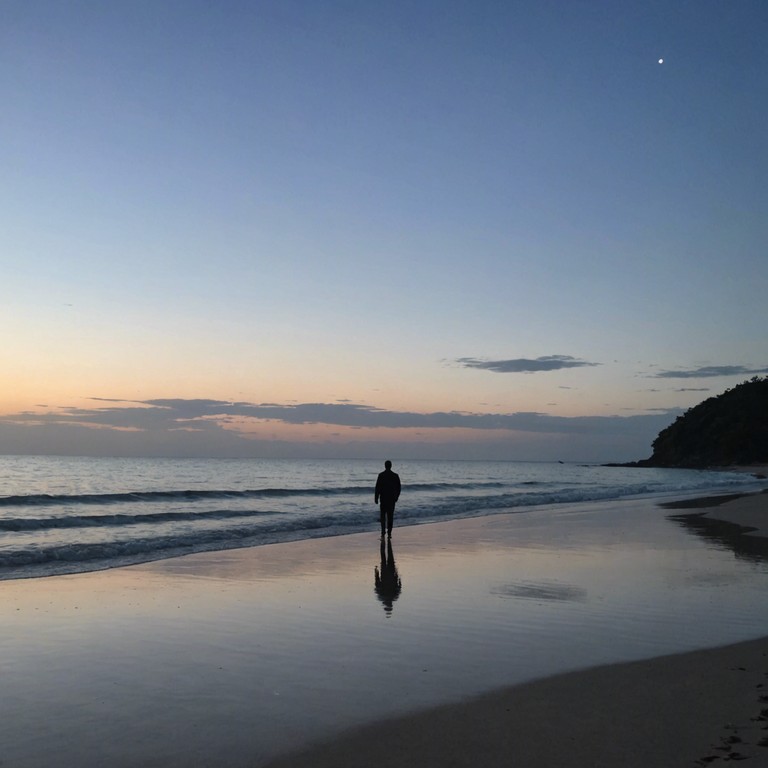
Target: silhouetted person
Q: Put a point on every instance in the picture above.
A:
(388, 491)
(387, 581)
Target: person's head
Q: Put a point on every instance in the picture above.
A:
(387, 464)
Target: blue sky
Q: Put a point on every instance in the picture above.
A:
(217, 217)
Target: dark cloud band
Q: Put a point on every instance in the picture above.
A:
(524, 365)
(179, 414)
(710, 371)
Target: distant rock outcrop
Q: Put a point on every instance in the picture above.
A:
(730, 429)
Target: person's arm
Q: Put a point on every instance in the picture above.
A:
(397, 485)
(376, 491)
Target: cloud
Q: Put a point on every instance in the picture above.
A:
(524, 365)
(169, 414)
(709, 371)
(182, 427)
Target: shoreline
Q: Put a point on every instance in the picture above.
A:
(72, 532)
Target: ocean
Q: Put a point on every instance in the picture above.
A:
(76, 514)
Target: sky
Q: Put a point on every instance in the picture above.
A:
(470, 230)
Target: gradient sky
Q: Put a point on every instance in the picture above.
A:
(426, 229)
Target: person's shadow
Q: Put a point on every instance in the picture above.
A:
(386, 578)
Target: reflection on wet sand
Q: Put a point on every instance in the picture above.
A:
(723, 533)
(387, 583)
(541, 590)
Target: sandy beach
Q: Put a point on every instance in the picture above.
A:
(692, 709)
(602, 634)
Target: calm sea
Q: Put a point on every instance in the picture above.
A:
(70, 514)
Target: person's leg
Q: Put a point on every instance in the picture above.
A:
(387, 511)
(382, 519)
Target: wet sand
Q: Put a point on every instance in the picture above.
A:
(341, 652)
(748, 512)
(695, 709)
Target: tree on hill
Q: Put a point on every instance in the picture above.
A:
(726, 430)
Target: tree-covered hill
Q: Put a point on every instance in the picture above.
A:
(726, 430)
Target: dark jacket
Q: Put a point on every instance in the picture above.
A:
(387, 487)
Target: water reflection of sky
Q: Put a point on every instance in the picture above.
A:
(263, 649)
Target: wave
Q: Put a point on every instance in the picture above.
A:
(131, 497)
(475, 506)
(17, 524)
(138, 550)
(77, 557)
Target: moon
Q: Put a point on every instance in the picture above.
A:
(661, 61)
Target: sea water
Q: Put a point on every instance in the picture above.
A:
(75, 514)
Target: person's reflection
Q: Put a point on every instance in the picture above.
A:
(386, 579)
